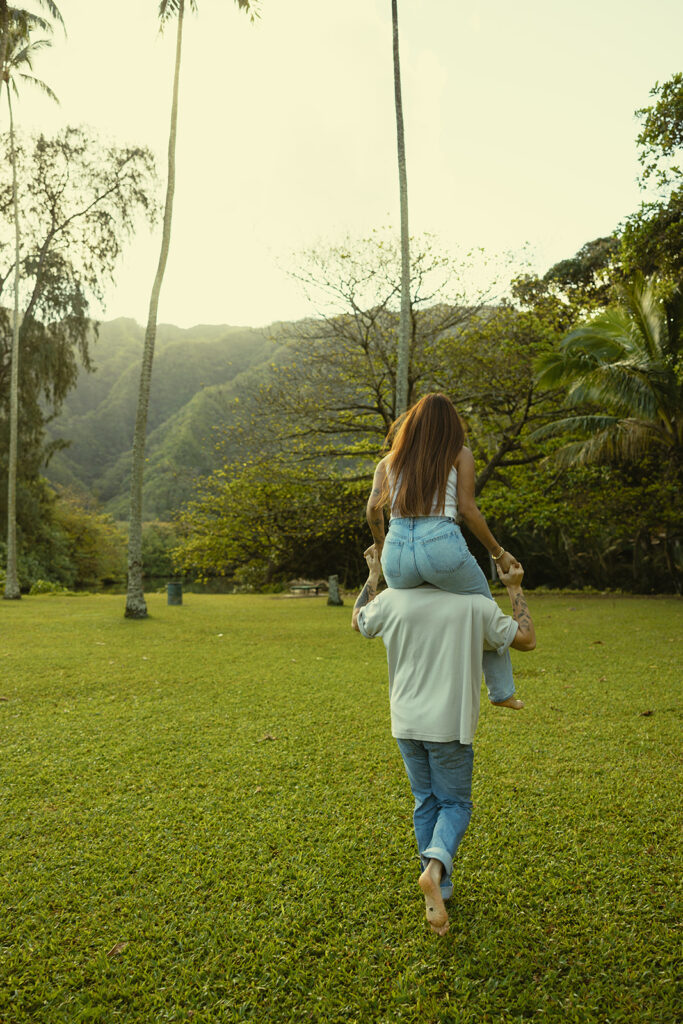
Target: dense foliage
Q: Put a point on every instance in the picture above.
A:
(66, 541)
(263, 442)
(652, 237)
(79, 201)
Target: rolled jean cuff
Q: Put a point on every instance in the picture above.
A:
(438, 853)
(499, 700)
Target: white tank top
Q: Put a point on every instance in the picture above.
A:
(450, 506)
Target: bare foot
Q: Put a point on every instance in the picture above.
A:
(511, 702)
(435, 908)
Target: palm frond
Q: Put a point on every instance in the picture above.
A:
(40, 85)
(25, 21)
(609, 440)
(607, 337)
(586, 424)
(555, 368)
(169, 9)
(52, 10)
(627, 362)
(25, 56)
(621, 389)
(646, 309)
(20, 52)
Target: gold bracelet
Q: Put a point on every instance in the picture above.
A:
(496, 558)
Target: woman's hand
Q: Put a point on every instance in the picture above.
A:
(506, 562)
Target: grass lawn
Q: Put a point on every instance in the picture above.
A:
(205, 819)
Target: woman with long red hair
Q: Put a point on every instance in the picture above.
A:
(426, 480)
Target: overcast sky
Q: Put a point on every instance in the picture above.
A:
(519, 129)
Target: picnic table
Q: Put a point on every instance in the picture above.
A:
(307, 587)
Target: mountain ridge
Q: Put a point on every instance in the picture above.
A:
(194, 381)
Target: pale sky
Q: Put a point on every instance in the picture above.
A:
(518, 117)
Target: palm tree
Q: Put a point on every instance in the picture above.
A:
(405, 319)
(136, 606)
(19, 51)
(628, 361)
(8, 15)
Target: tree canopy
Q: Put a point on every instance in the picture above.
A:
(79, 201)
(652, 237)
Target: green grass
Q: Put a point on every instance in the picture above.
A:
(274, 880)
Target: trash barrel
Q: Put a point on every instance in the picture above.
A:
(174, 592)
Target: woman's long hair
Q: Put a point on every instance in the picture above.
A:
(425, 442)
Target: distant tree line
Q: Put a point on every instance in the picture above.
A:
(571, 389)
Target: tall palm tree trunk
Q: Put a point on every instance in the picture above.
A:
(4, 37)
(12, 591)
(136, 606)
(405, 319)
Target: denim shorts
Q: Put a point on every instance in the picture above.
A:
(430, 549)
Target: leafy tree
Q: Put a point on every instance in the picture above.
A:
(301, 445)
(652, 237)
(329, 397)
(136, 606)
(158, 541)
(661, 137)
(19, 51)
(331, 390)
(78, 201)
(72, 542)
(261, 528)
(405, 318)
(488, 371)
(574, 287)
(95, 545)
(608, 527)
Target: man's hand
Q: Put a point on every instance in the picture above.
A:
(373, 555)
(525, 639)
(511, 576)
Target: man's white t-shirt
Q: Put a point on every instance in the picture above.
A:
(435, 641)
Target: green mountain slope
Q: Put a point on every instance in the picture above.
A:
(194, 380)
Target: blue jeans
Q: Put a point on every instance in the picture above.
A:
(440, 776)
(432, 549)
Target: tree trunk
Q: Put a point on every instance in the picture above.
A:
(404, 331)
(136, 606)
(12, 591)
(4, 36)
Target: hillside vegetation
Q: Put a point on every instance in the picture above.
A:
(197, 374)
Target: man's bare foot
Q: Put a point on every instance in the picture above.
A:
(511, 702)
(435, 908)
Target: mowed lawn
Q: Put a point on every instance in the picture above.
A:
(205, 819)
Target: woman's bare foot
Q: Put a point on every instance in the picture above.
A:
(511, 702)
(435, 908)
